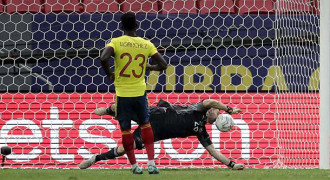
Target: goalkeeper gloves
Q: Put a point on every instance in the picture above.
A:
(232, 165)
(229, 110)
(233, 110)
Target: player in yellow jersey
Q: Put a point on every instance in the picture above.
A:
(131, 54)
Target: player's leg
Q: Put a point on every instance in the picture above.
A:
(124, 110)
(87, 163)
(119, 151)
(148, 141)
(146, 132)
(111, 154)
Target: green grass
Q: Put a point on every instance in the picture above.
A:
(166, 174)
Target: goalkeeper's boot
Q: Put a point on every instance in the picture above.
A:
(233, 110)
(153, 170)
(137, 170)
(101, 111)
(238, 167)
(87, 163)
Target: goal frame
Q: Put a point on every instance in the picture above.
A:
(324, 85)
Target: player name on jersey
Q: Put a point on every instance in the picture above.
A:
(134, 45)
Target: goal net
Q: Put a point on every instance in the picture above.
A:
(259, 55)
(297, 55)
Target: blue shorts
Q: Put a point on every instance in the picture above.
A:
(132, 108)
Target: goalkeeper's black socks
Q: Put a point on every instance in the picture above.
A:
(112, 154)
(231, 164)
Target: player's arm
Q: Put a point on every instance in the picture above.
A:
(160, 63)
(105, 56)
(204, 139)
(211, 103)
(217, 155)
(220, 157)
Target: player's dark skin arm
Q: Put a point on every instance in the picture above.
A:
(160, 63)
(105, 56)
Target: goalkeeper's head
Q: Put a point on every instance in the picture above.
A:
(212, 115)
(128, 21)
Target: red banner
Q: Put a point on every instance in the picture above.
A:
(60, 130)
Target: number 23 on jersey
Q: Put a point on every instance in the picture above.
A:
(124, 72)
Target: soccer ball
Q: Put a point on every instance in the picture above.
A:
(224, 122)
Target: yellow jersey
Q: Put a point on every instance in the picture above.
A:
(131, 55)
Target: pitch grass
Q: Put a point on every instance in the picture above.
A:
(166, 174)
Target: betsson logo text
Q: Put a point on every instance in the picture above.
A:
(32, 139)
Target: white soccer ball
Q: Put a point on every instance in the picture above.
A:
(224, 122)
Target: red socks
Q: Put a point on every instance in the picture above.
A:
(128, 143)
(148, 140)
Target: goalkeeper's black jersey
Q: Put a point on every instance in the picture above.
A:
(175, 121)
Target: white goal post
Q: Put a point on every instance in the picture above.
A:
(324, 85)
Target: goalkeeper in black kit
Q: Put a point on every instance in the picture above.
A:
(174, 121)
